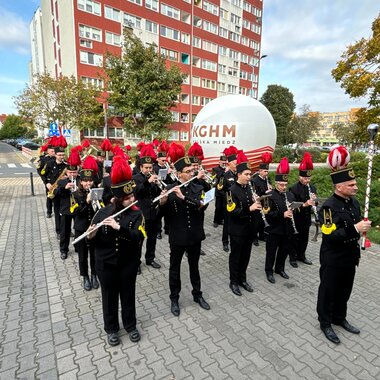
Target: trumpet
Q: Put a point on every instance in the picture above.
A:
(314, 208)
(159, 182)
(256, 198)
(209, 177)
(292, 218)
(172, 173)
(74, 182)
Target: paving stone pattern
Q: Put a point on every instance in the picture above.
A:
(51, 328)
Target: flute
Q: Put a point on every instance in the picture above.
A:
(172, 189)
(314, 208)
(256, 198)
(292, 218)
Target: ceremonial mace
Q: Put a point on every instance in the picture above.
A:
(372, 130)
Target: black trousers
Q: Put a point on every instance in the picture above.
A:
(219, 209)
(176, 254)
(85, 249)
(151, 228)
(64, 241)
(277, 249)
(225, 226)
(119, 281)
(159, 223)
(239, 258)
(301, 241)
(57, 216)
(49, 204)
(333, 294)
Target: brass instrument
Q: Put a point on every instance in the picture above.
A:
(220, 183)
(292, 218)
(209, 177)
(159, 182)
(314, 208)
(74, 182)
(256, 198)
(50, 193)
(172, 174)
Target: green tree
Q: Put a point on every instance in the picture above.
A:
(302, 125)
(14, 127)
(142, 87)
(280, 103)
(72, 103)
(358, 72)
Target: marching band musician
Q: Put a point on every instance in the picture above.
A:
(53, 171)
(220, 195)
(83, 217)
(182, 207)
(340, 252)
(281, 227)
(117, 253)
(304, 192)
(66, 188)
(48, 155)
(229, 178)
(100, 157)
(242, 225)
(262, 186)
(145, 191)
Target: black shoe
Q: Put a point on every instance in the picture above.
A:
(139, 270)
(86, 283)
(306, 261)
(63, 255)
(330, 334)
(282, 274)
(293, 264)
(247, 286)
(154, 264)
(256, 243)
(215, 225)
(348, 327)
(94, 281)
(271, 278)
(58, 236)
(203, 253)
(235, 289)
(113, 339)
(159, 236)
(202, 303)
(134, 335)
(175, 308)
(226, 248)
(48, 215)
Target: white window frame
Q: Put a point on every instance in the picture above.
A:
(209, 65)
(131, 21)
(113, 38)
(111, 13)
(97, 58)
(151, 27)
(170, 11)
(83, 4)
(152, 5)
(170, 33)
(90, 33)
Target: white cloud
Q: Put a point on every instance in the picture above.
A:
(14, 33)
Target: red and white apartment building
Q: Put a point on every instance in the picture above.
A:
(215, 42)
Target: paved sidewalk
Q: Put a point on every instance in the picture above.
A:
(51, 328)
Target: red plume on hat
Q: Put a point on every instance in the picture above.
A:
(106, 145)
(44, 147)
(53, 141)
(163, 147)
(155, 142)
(196, 151)
(241, 157)
(117, 151)
(74, 158)
(85, 143)
(128, 148)
(307, 162)
(338, 158)
(147, 150)
(121, 171)
(176, 151)
(266, 158)
(90, 163)
(230, 151)
(79, 148)
(140, 145)
(283, 167)
(61, 141)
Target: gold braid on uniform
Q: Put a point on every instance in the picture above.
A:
(328, 226)
(219, 186)
(230, 203)
(73, 204)
(142, 227)
(43, 171)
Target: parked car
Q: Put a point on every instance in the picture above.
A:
(31, 145)
(21, 143)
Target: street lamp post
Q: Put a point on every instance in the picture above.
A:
(253, 73)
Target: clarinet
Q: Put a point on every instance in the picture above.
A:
(292, 218)
(255, 198)
(314, 208)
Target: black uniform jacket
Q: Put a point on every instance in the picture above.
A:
(66, 196)
(156, 168)
(302, 216)
(53, 171)
(84, 211)
(278, 224)
(112, 245)
(242, 220)
(340, 244)
(42, 164)
(185, 216)
(261, 185)
(107, 192)
(145, 192)
(218, 172)
(228, 179)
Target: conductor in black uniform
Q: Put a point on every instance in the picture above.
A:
(339, 253)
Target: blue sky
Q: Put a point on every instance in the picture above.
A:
(302, 38)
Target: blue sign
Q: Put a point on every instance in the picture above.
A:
(54, 130)
(53, 126)
(66, 133)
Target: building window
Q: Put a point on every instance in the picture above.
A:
(223, 14)
(246, 24)
(232, 71)
(171, 55)
(196, 62)
(90, 33)
(85, 43)
(138, 2)
(113, 39)
(245, 41)
(175, 116)
(152, 4)
(256, 11)
(169, 33)
(186, 80)
(185, 38)
(184, 136)
(112, 14)
(174, 135)
(208, 83)
(197, 42)
(234, 37)
(234, 54)
(236, 2)
(256, 28)
(221, 86)
(196, 100)
(185, 59)
(205, 100)
(235, 19)
(115, 133)
(151, 27)
(208, 65)
(93, 81)
(210, 27)
(170, 11)
(247, 6)
(91, 58)
(185, 98)
(132, 21)
(193, 116)
(196, 81)
(211, 8)
(209, 46)
(98, 132)
(184, 117)
(232, 89)
(223, 32)
(243, 75)
(222, 68)
(90, 6)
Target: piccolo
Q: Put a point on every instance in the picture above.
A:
(100, 224)
(172, 189)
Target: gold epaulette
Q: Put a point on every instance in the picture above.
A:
(73, 207)
(328, 226)
(43, 171)
(142, 227)
(219, 186)
(231, 205)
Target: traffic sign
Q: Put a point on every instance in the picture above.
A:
(54, 130)
(66, 133)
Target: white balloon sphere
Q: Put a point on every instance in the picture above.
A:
(234, 120)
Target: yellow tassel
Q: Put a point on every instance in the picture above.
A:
(101, 204)
(73, 207)
(203, 195)
(231, 207)
(327, 230)
(141, 228)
